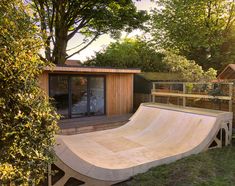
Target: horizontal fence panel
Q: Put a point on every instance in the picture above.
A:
(191, 95)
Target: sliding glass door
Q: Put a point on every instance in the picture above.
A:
(96, 101)
(78, 95)
(59, 87)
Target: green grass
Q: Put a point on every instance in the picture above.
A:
(211, 168)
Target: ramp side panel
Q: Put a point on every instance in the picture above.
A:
(153, 136)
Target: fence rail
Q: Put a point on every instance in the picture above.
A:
(183, 94)
(192, 95)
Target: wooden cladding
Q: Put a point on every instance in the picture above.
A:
(44, 82)
(119, 94)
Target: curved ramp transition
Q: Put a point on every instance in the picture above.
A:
(156, 134)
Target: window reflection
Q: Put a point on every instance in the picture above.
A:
(59, 93)
(96, 95)
(78, 96)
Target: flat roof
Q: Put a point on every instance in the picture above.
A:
(91, 69)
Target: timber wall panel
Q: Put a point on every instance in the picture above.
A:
(119, 94)
(43, 82)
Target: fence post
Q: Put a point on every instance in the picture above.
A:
(184, 98)
(49, 175)
(153, 90)
(231, 96)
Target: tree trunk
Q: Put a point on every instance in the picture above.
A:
(48, 50)
(61, 31)
(59, 53)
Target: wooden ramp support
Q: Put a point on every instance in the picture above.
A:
(156, 134)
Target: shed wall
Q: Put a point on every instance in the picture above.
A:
(44, 82)
(119, 92)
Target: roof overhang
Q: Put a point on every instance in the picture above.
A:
(81, 69)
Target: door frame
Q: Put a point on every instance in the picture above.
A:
(88, 76)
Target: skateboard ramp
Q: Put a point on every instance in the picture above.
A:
(156, 134)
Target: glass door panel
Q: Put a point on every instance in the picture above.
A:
(59, 92)
(96, 96)
(79, 96)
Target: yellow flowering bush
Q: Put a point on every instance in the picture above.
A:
(27, 120)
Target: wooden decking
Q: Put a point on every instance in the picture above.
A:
(90, 124)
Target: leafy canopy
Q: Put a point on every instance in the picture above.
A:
(27, 120)
(188, 69)
(137, 53)
(60, 20)
(201, 30)
(129, 53)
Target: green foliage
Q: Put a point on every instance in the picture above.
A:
(188, 69)
(201, 30)
(27, 120)
(61, 20)
(129, 53)
(136, 53)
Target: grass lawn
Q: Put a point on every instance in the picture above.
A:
(212, 168)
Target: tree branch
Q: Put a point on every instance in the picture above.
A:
(95, 37)
(42, 14)
(81, 25)
(76, 46)
(51, 20)
(231, 15)
(72, 14)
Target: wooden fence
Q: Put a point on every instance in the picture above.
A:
(218, 96)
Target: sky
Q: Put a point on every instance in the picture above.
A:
(104, 40)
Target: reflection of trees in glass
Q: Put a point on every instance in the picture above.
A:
(62, 82)
(97, 95)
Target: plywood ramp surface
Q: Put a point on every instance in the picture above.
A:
(156, 134)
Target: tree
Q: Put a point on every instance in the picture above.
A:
(129, 53)
(201, 30)
(188, 69)
(137, 53)
(27, 120)
(60, 20)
